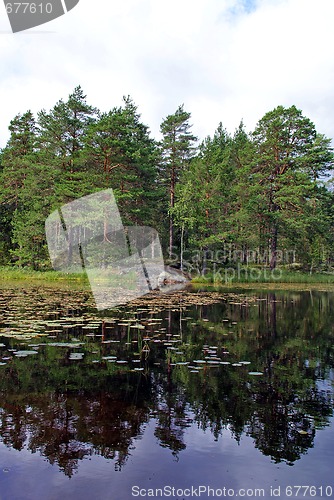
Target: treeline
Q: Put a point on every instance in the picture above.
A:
(263, 197)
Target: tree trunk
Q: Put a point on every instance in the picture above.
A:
(273, 247)
(70, 249)
(182, 240)
(205, 261)
(171, 222)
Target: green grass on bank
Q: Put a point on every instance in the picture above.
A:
(102, 276)
(255, 275)
(225, 277)
(16, 273)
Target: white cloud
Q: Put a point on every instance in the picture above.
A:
(226, 60)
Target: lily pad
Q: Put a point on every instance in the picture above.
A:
(76, 355)
(25, 353)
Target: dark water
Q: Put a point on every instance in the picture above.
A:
(230, 394)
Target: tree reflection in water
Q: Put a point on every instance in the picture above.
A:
(70, 411)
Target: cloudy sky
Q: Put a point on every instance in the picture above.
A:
(226, 60)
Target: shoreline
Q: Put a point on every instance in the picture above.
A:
(288, 281)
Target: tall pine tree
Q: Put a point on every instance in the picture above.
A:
(177, 150)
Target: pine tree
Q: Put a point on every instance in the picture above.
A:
(289, 155)
(61, 141)
(19, 150)
(177, 150)
(62, 130)
(17, 157)
(207, 193)
(122, 156)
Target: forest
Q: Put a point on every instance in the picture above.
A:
(263, 197)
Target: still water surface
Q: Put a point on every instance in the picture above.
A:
(228, 391)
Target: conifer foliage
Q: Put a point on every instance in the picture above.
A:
(266, 193)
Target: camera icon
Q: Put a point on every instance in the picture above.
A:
(121, 262)
(26, 15)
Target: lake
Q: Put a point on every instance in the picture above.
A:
(206, 393)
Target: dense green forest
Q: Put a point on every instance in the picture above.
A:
(263, 197)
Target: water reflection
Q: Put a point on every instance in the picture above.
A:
(259, 365)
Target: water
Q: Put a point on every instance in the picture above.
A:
(206, 393)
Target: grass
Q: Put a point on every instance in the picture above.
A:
(255, 275)
(16, 273)
(102, 276)
(224, 277)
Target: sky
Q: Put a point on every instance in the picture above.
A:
(225, 60)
